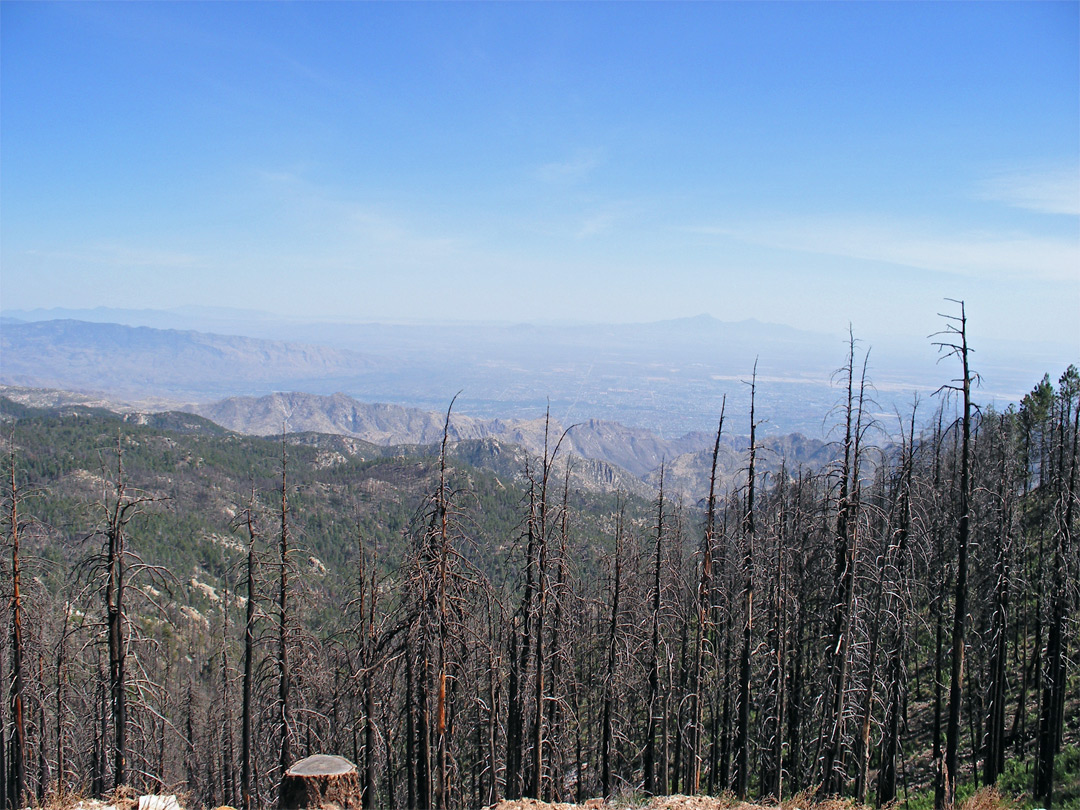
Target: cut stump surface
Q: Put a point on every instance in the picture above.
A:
(320, 780)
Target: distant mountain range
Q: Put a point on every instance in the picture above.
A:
(665, 377)
(144, 362)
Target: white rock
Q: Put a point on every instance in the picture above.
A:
(158, 803)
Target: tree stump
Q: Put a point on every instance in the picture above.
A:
(320, 781)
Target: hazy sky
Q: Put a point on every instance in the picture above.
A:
(805, 163)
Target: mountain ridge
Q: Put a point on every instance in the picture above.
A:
(609, 456)
(136, 360)
(637, 451)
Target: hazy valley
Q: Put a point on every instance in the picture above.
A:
(667, 377)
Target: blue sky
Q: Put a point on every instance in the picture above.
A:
(804, 163)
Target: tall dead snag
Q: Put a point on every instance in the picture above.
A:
(442, 507)
(489, 778)
(1004, 497)
(607, 730)
(18, 680)
(284, 679)
(772, 780)
(521, 657)
(368, 649)
(1052, 705)
(722, 743)
(539, 513)
(863, 748)
(937, 604)
(247, 709)
(434, 614)
(652, 785)
(792, 762)
(896, 609)
(228, 751)
(742, 737)
(119, 505)
(833, 742)
(556, 645)
(704, 603)
(60, 697)
(954, 344)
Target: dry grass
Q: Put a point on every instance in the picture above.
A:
(986, 798)
(801, 801)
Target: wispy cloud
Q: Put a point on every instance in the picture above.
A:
(1049, 192)
(337, 228)
(1013, 255)
(573, 170)
(596, 224)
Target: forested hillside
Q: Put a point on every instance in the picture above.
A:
(190, 609)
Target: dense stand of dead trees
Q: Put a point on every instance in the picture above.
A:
(776, 636)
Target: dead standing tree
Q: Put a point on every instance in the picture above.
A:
(895, 589)
(541, 514)
(652, 784)
(607, 717)
(832, 742)
(954, 344)
(248, 520)
(557, 644)
(1052, 706)
(742, 736)
(440, 581)
(17, 770)
(704, 604)
(284, 674)
(116, 564)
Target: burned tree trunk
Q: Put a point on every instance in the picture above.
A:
(609, 674)
(18, 680)
(742, 739)
(120, 506)
(284, 674)
(650, 763)
(957, 331)
(897, 553)
(246, 752)
(833, 773)
(1052, 713)
(994, 731)
(704, 596)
